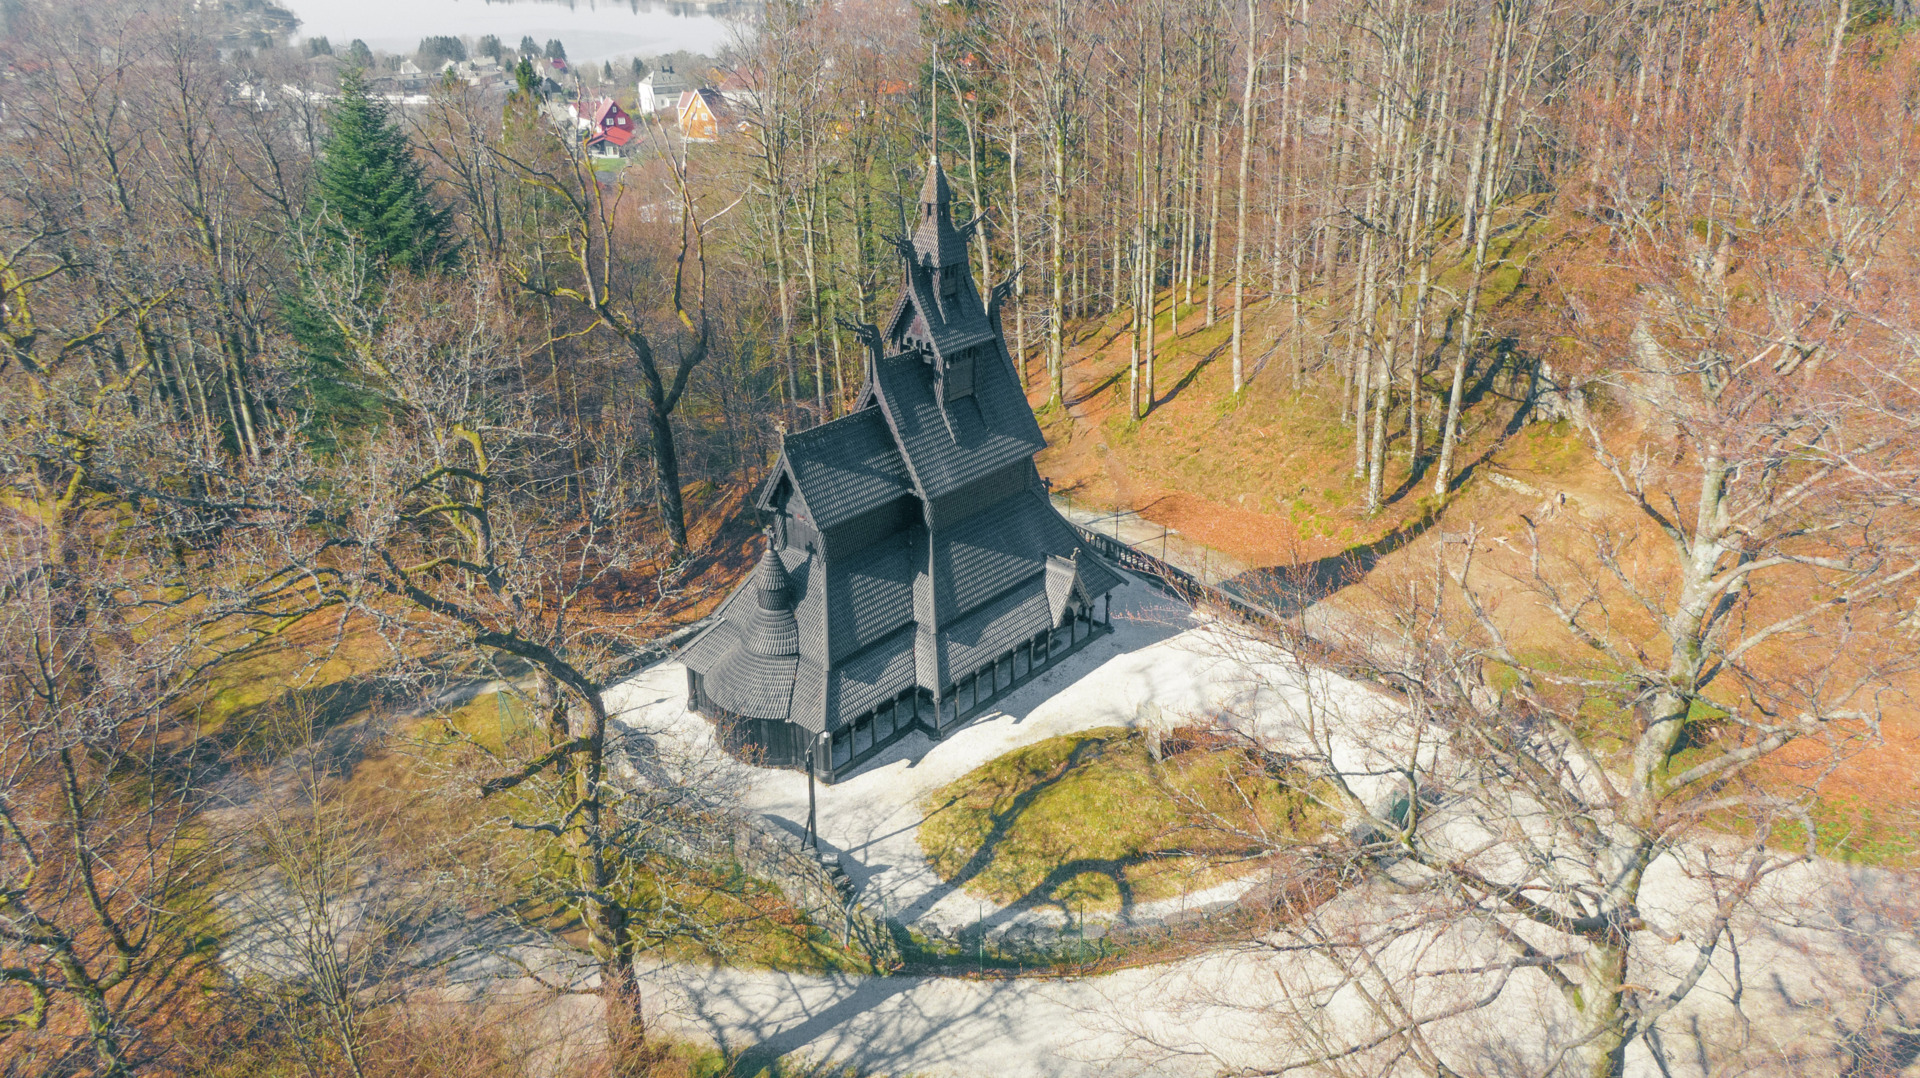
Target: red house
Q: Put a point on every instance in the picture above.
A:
(608, 127)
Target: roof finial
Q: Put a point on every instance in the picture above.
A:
(933, 105)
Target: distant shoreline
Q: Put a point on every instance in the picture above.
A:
(592, 30)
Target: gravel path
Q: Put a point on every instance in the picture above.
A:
(1792, 985)
(1786, 998)
(1816, 950)
(1160, 665)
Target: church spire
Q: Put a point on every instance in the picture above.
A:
(936, 242)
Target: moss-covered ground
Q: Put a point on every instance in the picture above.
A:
(1091, 822)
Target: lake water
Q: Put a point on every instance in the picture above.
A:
(591, 30)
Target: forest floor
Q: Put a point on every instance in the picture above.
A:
(1261, 484)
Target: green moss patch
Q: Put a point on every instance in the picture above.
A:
(1091, 822)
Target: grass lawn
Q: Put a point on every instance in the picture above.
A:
(1091, 823)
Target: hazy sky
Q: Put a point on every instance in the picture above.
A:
(590, 29)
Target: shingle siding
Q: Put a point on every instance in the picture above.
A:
(879, 525)
(1017, 477)
(980, 637)
(864, 680)
(975, 560)
(970, 439)
(845, 468)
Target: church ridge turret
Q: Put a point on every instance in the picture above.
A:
(936, 242)
(934, 191)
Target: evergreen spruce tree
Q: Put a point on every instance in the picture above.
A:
(369, 208)
(370, 188)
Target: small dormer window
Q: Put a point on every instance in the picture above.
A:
(949, 284)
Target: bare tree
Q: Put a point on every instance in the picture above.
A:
(1583, 795)
(596, 266)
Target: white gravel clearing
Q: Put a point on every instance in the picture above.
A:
(1161, 664)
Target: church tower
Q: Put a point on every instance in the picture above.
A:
(940, 313)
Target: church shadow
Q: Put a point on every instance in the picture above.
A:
(1288, 589)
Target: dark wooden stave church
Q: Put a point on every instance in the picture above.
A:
(915, 568)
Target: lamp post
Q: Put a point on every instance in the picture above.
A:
(813, 757)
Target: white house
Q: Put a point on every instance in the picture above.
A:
(660, 90)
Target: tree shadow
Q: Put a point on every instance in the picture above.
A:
(1054, 890)
(1103, 386)
(1187, 379)
(1001, 823)
(763, 1059)
(1483, 387)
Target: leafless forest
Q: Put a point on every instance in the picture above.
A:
(272, 472)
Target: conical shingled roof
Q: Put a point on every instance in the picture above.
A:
(751, 657)
(770, 628)
(936, 242)
(934, 190)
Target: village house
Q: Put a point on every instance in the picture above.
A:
(410, 79)
(660, 90)
(915, 567)
(323, 70)
(704, 114)
(608, 129)
(483, 71)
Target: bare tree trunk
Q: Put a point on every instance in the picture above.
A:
(1290, 131)
(1056, 324)
(967, 120)
(1213, 213)
(1155, 223)
(1483, 165)
(1019, 257)
(1360, 353)
(1240, 208)
(813, 306)
(782, 290)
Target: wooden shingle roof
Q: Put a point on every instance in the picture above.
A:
(843, 468)
(936, 242)
(933, 547)
(973, 437)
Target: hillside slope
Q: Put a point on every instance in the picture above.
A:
(1267, 481)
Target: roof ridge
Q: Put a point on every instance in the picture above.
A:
(811, 432)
